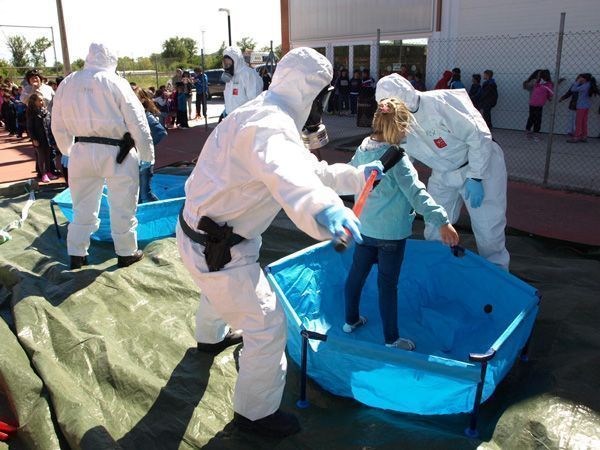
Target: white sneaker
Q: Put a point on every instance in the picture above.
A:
(350, 328)
(404, 344)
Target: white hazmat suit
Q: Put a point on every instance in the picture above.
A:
(245, 85)
(96, 102)
(252, 165)
(451, 137)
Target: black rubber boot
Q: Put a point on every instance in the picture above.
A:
(231, 338)
(78, 261)
(279, 424)
(125, 261)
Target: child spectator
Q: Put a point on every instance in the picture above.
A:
(188, 85)
(489, 97)
(572, 108)
(162, 103)
(586, 87)
(542, 90)
(38, 126)
(475, 90)
(9, 114)
(444, 81)
(181, 96)
(387, 222)
(355, 84)
(21, 109)
(158, 133)
(343, 89)
(419, 84)
(201, 84)
(455, 82)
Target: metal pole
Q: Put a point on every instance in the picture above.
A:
(229, 27)
(63, 38)
(376, 75)
(204, 99)
(54, 48)
(156, 70)
(561, 33)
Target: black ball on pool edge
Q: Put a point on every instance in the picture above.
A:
(488, 308)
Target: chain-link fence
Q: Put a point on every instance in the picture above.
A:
(573, 166)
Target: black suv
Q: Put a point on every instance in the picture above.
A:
(215, 85)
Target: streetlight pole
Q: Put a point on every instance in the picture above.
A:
(228, 22)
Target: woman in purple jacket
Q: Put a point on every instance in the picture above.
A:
(585, 86)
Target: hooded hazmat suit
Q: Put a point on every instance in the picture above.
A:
(96, 102)
(245, 85)
(451, 137)
(252, 165)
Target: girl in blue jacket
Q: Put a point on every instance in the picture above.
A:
(387, 220)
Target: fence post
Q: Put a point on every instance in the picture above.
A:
(156, 70)
(561, 33)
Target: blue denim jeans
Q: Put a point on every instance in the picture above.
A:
(146, 194)
(388, 255)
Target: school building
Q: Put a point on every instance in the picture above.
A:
(511, 37)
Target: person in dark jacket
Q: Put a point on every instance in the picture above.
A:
(355, 84)
(343, 89)
(572, 108)
(475, 90)
(38, 127)
(489, 97)
(9, 114)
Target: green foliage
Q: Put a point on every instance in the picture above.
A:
(77, 64)
(19, 48)
(37, 51)
(181, 49)
(246, 43)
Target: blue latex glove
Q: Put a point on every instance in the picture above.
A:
(368, 168)
(474, 192)
(335, 218)
(145, 164)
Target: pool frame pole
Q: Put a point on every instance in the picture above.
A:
(306, 335)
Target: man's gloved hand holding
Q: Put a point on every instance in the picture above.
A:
(145, 164)
(368, 168)
(335, 218)
(474, 192)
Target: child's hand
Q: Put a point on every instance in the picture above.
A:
(35, 143)
(449, 235)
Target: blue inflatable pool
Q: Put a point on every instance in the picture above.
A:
(155, 219)
(463, 313)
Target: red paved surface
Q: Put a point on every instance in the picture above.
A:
(556, 214)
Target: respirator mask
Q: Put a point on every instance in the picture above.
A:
(314, 133)
(227, 69)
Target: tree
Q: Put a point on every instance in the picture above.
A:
(125, 63)
(77, 64)
(144, 63)
(37, 50)
(18, 47)
(246, 43)
(181, 49)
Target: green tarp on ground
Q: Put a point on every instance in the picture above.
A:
(105, 358)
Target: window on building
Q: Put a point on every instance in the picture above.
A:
(321, 50)
(341, 57)
(362, 57)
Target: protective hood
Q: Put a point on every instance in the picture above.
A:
(99, 57)
(301, 74)
(236, 55)
(395, 85)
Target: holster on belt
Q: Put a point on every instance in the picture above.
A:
(219, 240)
(126, 145)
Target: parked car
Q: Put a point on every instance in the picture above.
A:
(215, 84)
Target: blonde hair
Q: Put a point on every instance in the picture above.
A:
(392, 120)
(146, 100)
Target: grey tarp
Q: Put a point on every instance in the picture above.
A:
(102, 358)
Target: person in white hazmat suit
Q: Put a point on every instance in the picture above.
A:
(252, 165)
(242, 83)
(450, 136)
(93, 109)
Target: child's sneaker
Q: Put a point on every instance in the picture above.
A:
(45, 179)
(350, 328)
(51, 176)
(404, 344)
